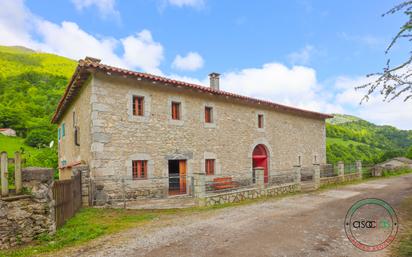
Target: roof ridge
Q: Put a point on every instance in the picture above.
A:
(90, 62)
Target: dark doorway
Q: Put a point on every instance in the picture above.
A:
(177, 177)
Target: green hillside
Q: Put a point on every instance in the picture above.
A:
(31, 84)
(350, 138)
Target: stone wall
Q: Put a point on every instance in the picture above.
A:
(24, 217)
(340, 179)
(252, 193)
(108, 191)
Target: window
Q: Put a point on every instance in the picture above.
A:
(138, 105)
(139, 169)
(260, 121)
(59, 133)
(210, 166)
(208, 114)
(63, 130)
(175, 111)
(77, 136)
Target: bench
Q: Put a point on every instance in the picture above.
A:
(223, 183)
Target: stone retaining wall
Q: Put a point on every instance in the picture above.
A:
(250, 193)
(340, 179)
(24, 217)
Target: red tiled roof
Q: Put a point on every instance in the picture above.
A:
(87, 66)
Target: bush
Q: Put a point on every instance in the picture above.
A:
(39, 138)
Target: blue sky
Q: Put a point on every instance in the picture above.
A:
(304, 53)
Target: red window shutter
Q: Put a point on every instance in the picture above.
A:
(175, 111)
(140, 106)
(135, 105)
(260, 121)
(144, 169)
(210, 167)
(208, 114)
(134, 169)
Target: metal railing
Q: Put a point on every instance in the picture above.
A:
(121, 189)
(237, 181)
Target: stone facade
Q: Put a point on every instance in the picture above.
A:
(111, 137)
(78, 115)
(23, 218)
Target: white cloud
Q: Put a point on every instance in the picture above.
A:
(19, 26)
(106, 8)
(190, 3)
(397, 112)
(276, 82)
(301, 57)
(142, 51)
(15, 23)
(68, 39)
(192, 61)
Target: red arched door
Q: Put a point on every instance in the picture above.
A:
(260, 159)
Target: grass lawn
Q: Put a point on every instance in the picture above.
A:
(13, 144)
(87, 224)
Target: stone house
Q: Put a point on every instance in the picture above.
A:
(394, 163)
(8, 132)
(152, 131)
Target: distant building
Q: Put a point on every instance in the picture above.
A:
(8, 132)
(394, 163)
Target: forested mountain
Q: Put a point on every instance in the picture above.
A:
(31, 84)
(350, 138)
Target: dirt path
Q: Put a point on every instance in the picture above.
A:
(301, 225)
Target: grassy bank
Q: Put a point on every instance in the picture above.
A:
(87, 224)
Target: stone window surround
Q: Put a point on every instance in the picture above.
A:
(214, 115)
(270, 153)
(177, 99)
(218, 168)
(146, 108)
(257, 121)
(139, 157)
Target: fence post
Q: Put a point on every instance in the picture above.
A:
(358, 164)
(260, 177)
(341, 168)
(17, 172)
(4, 175)
(199, 189)
(297, 170)
(316, 175)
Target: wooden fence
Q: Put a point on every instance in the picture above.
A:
(68, 198)
(4, 173)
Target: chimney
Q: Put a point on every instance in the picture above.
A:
(92, 59)
(214, 80)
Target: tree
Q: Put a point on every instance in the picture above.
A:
(409, 153)
(395, 80)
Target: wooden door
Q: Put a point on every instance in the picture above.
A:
(182, 176)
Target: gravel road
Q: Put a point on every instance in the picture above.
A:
(301, 225)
